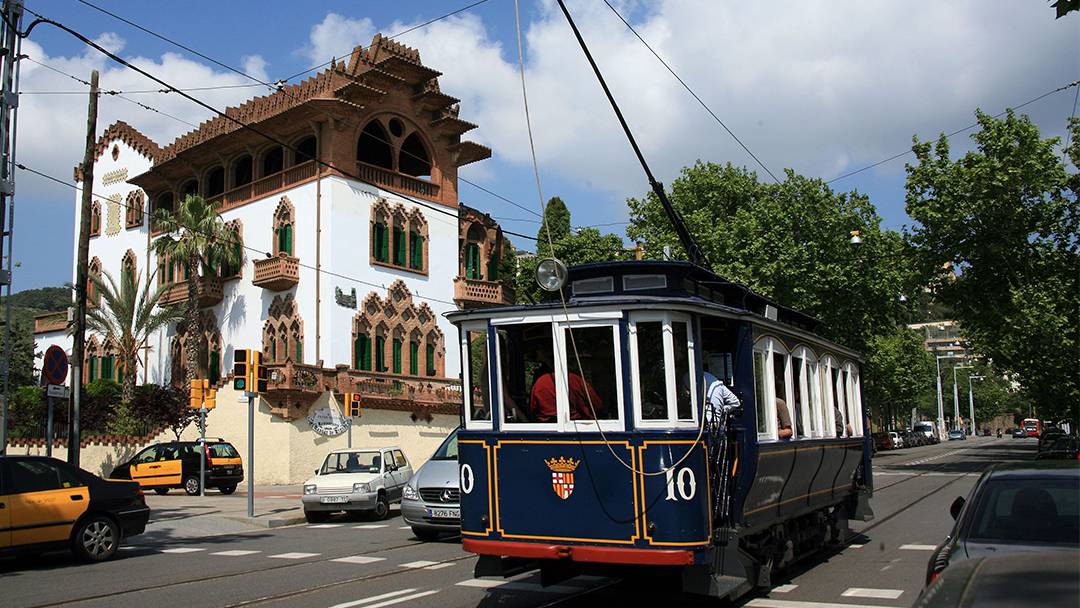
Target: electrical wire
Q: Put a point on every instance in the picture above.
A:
(692, 93)
(1068, 127)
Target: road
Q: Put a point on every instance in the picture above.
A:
(351, 563)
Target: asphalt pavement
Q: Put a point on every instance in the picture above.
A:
(196, 553)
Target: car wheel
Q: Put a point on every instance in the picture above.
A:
(191, 485)
(382, 508)
(316, 517)
(425, 534)
(161, 491)
(96, 539)
(227, 489)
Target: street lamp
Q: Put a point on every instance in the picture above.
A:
(940, 403)
(971, 401)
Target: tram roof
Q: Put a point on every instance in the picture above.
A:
(652, 281)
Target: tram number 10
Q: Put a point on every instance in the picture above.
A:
(683, 484)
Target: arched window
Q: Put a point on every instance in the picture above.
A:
(165, 201)
(283, 228)
(215, 181)
(127, 272)
(474, 241)
(95, 218)
(399, 234)
(414, 355)
(190, 188)
(93, 296)
(852, 399)
(395, 351)
(807, 387)
(242, 171)
(373, 147)
(380, 348)
(133, 209)
(429, 359)
(273, 161)
(91, 358)
(362, 351)
(414, 158)
(380, 232)
(393, 335)
(774, 390)
(417, 240)
(831, 399)
(305, 150)
(283, 331)
(231, 270)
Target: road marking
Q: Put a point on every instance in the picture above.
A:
(784, 588)
(359, 559)
(919, 547)
(294, 555)
(182, 550)
(130, 547)
(324, 526)
(855, 546)
(405, 528)
(440, 566)
(881, 594)
(373, 599)
(764, 602)
(370, 527)
(419, 564)
(236, 553)
(516, 586)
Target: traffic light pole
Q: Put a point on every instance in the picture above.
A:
(251, 455)
(202, 453)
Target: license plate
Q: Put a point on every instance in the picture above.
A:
(444, 513)
(333, 499)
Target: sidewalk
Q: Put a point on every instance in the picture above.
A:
(177, 516)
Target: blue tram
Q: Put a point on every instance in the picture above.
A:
(587, 445)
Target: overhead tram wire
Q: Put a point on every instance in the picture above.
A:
(278, 86)
(1068, 125)
(691, 91)
(1075, 83)
(262, 254)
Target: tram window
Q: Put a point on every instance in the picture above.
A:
(592, 386)
(526, 373)
(684, 405)
(652, 372)
(842, 425)
(479, 399)
(798, 405)
(762, 394)
(783, 402)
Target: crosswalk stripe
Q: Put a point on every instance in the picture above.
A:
(325, 526)
(182, 550)
(236, 553)
(419, 564)
(881, 594)
(516, 586)
(370, 527)
(784, 588)
(764, 602)
(440, 566)
(375, 598)
(359, 559)
(919, 547)
(295, 555)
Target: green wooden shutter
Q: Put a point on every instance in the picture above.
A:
(273, 351)
(299, 350)
(396, 353)
(384, 245)
(356, 356)
(399, 246)
(93, 369)
(472, 261)
(366, 354)
(214, 373)
(414, 358)
(284, 347)
(416, 251)
(376, 242)
(107, 367)
(380, 354)
(430, 360)
(288, 239)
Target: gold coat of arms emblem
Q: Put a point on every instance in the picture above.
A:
(562, 475)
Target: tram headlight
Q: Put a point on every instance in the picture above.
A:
(551, 274)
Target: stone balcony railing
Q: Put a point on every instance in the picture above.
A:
(277, 273)
(293, 387)
(209, 292)
(53, 321)
(474, 293)
(399, 182)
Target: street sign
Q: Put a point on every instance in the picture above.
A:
(59, 391)
(55, 366)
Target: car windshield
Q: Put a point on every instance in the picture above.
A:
(1029, 511)
(352, 462)
(448, 449)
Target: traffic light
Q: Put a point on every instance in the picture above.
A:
(240, 369)
(352, 404)
(258, 377)
(199, 389)
(210, 398)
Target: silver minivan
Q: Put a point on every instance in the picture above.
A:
(429, 502)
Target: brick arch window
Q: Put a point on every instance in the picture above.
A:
(215, 181)
(399, 237)
(133, 209)
(398, 234)
(380, 231)
(177, 357)
(283, 331)
(418, 240)
(273, 161)
(93, 296)
(473, 251)
(242, 171)
(91, 359)
(374, 147)
(190, 188)
(95, 218)
(284, 228)
(414, 158)
(165, 201)
(305, 150)
(128, 266)
(394, 335)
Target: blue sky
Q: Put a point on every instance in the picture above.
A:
(821, 87)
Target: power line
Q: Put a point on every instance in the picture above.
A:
(141, 91)
(1075, 83)
(279, 85)
(692, 93)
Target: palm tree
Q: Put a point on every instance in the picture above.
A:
(198, 239)
(127, 319)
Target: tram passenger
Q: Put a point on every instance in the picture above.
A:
(542, 399)
(718, 397)
(783, 420)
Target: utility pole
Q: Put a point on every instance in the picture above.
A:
(77, 348)
(10, 46)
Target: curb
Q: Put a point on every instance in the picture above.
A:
(268, 522)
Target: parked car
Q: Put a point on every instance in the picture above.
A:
(1019, 433)
(1065, 447)
(176, 464)
(998, 582)
(48, 504)
(956, 434)
(1014, 508)
(429, 502)
(882, 441)
(1048, 437)
(897, 439)
(357, 480)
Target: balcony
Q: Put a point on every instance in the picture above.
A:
(53, 321)
(263, 187)
(399, 182)
(278, 273)
(209, 292)
(474, 293)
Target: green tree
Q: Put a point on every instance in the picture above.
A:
(127, 318)
(554, 228)
(167, 406)
(1005, 215)
(198, 239)
(899, 376)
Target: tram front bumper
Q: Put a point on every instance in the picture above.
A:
(580, 553)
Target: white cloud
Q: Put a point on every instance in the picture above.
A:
(335, 37)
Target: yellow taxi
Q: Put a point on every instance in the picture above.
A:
(176, 465)
(48, 504)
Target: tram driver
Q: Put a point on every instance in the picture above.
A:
(584, 400)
